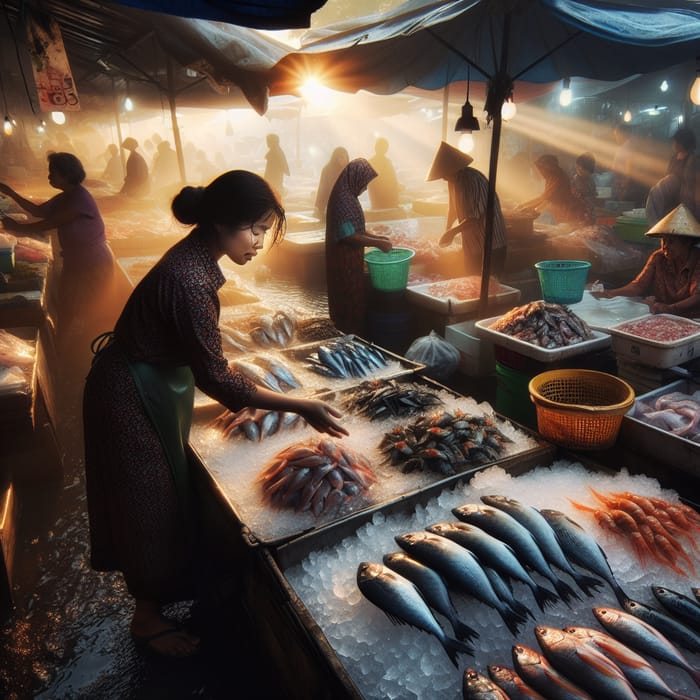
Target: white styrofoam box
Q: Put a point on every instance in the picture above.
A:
(599, 341)
(476, 357)
(656, 353)
(421, 296)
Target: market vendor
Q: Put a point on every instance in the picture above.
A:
(558, 196)
(467, 190)
(85, 285)
(346, 239)
(139, 398)
(670, 280)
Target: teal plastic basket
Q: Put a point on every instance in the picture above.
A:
(562, 281)
(388, 272)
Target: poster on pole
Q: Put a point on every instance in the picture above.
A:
(52, 75)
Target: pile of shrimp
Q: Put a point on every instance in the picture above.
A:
(657, 530)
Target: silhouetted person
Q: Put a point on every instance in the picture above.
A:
(136, 181)
(113, 172)
(276, 167)
(337, 162)
(166, 170)
(384, 189)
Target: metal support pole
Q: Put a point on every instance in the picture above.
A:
(173, 119)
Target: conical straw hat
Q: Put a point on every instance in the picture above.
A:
(679, 222)
(447, 161)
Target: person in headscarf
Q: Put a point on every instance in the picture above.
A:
(276, 166)
(670, 280)
(338, 160)
(384, 189)
(137, 181)
(468, 189)
(346, 239)
(558, 197)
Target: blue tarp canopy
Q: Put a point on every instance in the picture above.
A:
(259, 14)
(428, 43)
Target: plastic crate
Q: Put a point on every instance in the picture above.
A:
(563, 281)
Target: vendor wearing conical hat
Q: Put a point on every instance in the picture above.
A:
(670, 280)
(468, 189)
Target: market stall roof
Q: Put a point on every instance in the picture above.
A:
(428, 43)
(109, 45)
(260, 14)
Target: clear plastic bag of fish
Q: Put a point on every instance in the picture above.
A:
(440, 358)
(318, 477)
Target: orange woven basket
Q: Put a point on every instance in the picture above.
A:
(580, 408)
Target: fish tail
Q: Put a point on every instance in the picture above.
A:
(454, 647)
(522, 610)
(565, 591)
(463, 631)
(694, 674)
(588, 584)
(512, 618)
(544, 597)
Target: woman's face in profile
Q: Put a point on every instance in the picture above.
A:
(241, 244)
(675, 247)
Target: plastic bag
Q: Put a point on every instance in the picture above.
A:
(440, 357)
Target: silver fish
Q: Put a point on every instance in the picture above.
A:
(638, 671)
(681, 606)
(545, 537)
(460, 569)
(257, 374)
(586, 666)
(512, 684)
(509, 530)
(674, 630)
(539, 674)
(643, 638)
(478, 687)
(231, 343)
(269, 424)
(281, 372)
(433, 589)
(580, 548)
(494, 553)
(403, 603)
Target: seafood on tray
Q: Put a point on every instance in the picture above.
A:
(268, 372)
(345, 358)
(318, 477)
(463, 288)
(544, 324)
(385, 398)
(675, 412)
(444, 442)
(255, 425)
(276, 330)
(657, 530)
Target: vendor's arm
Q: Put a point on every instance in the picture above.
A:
(32, 207)
(366, 239)
(56, 212)
(688, 307)
(640, 286)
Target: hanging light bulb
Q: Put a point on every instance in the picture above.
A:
(664, 86)
(466, 142)
(509, 110)
(627, 117)
(41, 127)
(7, 126)
(128, 104)
(58, 118)
(695, 89)
(565, 94)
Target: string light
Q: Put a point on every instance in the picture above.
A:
(128, 104)
(7, 126)
(58, 118)
(466, 142)
(627, 117)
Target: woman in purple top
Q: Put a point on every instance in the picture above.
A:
(87, 274)
(139, 396)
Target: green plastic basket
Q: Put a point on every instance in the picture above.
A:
(388, 272)
(562, 281)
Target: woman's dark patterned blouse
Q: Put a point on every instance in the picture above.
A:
(172, 318)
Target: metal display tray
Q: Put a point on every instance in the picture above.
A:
(420, 295)
(656, 353)
(599, 341)
(674, 450)
(226, 475)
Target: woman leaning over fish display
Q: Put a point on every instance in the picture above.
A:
(139, 398)
(670, 280)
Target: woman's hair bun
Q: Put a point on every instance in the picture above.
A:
(187, 205)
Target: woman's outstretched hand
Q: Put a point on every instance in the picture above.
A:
(321, 416)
